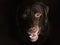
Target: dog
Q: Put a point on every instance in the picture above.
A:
(33, 23)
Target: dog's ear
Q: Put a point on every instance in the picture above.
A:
(46, 14)
(46, 10)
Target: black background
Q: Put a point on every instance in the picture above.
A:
(8, 22)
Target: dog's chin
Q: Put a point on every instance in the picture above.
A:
(33, 40)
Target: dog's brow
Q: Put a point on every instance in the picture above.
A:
(37, 8)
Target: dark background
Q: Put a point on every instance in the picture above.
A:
(8, 21)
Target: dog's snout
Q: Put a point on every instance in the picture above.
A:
(33, 29)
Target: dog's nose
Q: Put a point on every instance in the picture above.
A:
(32, 30)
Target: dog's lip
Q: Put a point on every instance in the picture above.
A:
(33, 36)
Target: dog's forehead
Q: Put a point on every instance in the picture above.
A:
(37, 8)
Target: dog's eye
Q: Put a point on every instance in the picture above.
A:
(24, 16)
(38, 14)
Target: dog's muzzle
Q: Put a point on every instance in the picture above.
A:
(33, 33)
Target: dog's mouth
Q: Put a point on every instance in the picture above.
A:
(34, 34)
(33, 37)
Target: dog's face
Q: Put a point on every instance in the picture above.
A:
(33, 19)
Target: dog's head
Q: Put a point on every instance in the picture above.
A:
(32, 20)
